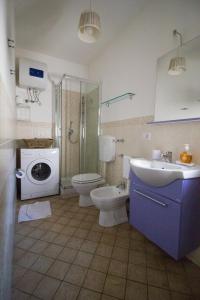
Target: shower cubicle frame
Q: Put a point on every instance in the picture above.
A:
(57, 120)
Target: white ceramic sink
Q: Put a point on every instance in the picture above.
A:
(160, 173)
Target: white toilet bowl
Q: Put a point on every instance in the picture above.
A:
(83, 184)
(111, 201)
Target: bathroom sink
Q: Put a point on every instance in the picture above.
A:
(160, 173)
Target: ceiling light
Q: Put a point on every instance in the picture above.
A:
(177, 64)
(89, 28)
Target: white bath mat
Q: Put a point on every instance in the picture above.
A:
(35, 211)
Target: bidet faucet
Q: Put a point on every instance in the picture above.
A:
(167, 156)
(122, 185)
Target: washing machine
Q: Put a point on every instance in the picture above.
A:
(39, 173)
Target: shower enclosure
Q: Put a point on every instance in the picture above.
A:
(76, 127)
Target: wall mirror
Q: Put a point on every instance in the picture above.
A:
(178, 96)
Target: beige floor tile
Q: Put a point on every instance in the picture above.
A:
(137, 273)
(117, 268)
(175, 266)
(97, 227)
(178, 296)
(137, 245)
(18, 238)
(75, 243)
(74, 223)
(120, 254)
(179, 283)
(29, 281)
(88, 295)
(57, 211)
(18, 272)
(139, 291)
(47, 288)
(35, 223)
(68, 230)
(115, 286)
(156, 262)
(153, 249)
(52, 250)
(76, 275)
(85, 225)
(123, 233)
(67, 291)
(104, 250)
(53, 219)
(136, 235)
(94, 280)
(46, 226)
(93, 211)
(100, 263)
(158, 294)
(83, 259)
(42, 264)
(39, 246)
(26, 243)
(157, 278)
(192, 270)
(19, 295)
(111, 230)
(108, 239)
(49, 236)
(25, 230)
(58, 269)
(61, 239)
(27, 260)
(79, 216)
(90, 218)
(137, 258)
(94, 236)
(37, 233)
(106, 297)
(18, 253)
(63, 220)
(89, 246)
(81, 233)
(122, 242)
(194, 286)
(68, 255)
(57, 228)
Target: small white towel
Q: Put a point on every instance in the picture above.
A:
(35, 211)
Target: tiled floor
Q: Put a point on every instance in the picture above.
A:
(69, 256)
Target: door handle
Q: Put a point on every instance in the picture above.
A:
(150, 198)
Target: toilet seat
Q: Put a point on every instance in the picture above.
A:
(87, 178)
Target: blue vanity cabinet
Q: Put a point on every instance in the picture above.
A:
(169, 216)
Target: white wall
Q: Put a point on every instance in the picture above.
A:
(41, 116)
(129, 63)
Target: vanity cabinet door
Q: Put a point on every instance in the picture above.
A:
(157, 217)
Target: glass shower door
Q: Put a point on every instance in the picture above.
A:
(89, 127)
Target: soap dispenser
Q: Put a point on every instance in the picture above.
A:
(186, 155)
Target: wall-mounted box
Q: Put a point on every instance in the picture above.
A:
(32, 74)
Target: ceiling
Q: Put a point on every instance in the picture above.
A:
(50, 26)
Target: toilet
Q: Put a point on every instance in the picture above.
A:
(85, 183)
(111, 200)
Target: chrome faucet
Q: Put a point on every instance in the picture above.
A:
(167, 156)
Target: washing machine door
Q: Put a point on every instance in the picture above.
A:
(40, 171)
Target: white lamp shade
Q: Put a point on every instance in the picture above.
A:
(177, 66)
(89, 27)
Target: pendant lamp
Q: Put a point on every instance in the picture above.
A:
(177, 64)
(89, 28)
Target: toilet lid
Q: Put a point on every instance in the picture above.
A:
(89, 177)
